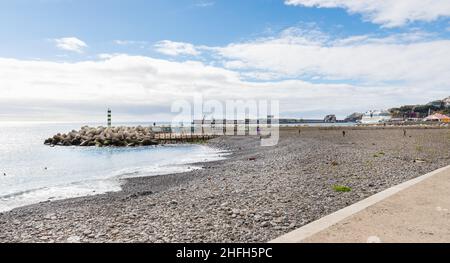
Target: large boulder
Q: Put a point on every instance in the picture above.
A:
(85, 143)
(148, 142)
(101, 136)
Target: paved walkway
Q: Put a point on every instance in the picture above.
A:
(415, 211)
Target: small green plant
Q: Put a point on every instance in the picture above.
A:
(341, 188)
(419, 148)
(379, 154)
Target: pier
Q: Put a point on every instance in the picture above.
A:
(180, 138)
(198, 131)
(139, 136)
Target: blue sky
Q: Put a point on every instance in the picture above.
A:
(27, 25)
(279, 47)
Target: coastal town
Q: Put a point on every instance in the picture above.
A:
(435, 112)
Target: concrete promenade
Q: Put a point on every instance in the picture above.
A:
(415, 211)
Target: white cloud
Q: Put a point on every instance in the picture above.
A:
(70, 44)
(123, 42)
(176, 48)
(407, 58)
(106, 56)
(129, 42)
(379, 72)
(234, 64)
(140, 88)
(205, 4)
(389, 13)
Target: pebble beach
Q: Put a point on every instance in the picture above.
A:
(255, 195)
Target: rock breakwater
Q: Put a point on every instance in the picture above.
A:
(105, 136)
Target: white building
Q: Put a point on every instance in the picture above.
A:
(376, 117)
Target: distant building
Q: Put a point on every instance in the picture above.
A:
(375, 117)
(330, 118)
(438, 117)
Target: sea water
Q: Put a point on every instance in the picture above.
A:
(31, 172)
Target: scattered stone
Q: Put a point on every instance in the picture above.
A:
(144, 193)
(265, 224)
(73, 239)
(50, 217)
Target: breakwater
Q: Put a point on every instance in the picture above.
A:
(105, 136)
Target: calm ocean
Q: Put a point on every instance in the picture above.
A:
(37, 173)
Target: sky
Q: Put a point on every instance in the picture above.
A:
(69, 60)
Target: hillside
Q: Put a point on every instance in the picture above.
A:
(421, 111)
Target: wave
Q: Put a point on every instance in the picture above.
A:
(111, 182)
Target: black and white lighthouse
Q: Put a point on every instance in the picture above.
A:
(109, 117)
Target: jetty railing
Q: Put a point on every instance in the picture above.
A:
(179, 138)
(201, 132)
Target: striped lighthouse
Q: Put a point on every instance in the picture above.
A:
(109, 117)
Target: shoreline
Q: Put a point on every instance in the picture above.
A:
(254, 195)
(112, 181)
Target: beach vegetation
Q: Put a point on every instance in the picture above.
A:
(380, 154)
(341, 188)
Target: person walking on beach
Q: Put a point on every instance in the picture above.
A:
(343, 133)
(404, 132)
